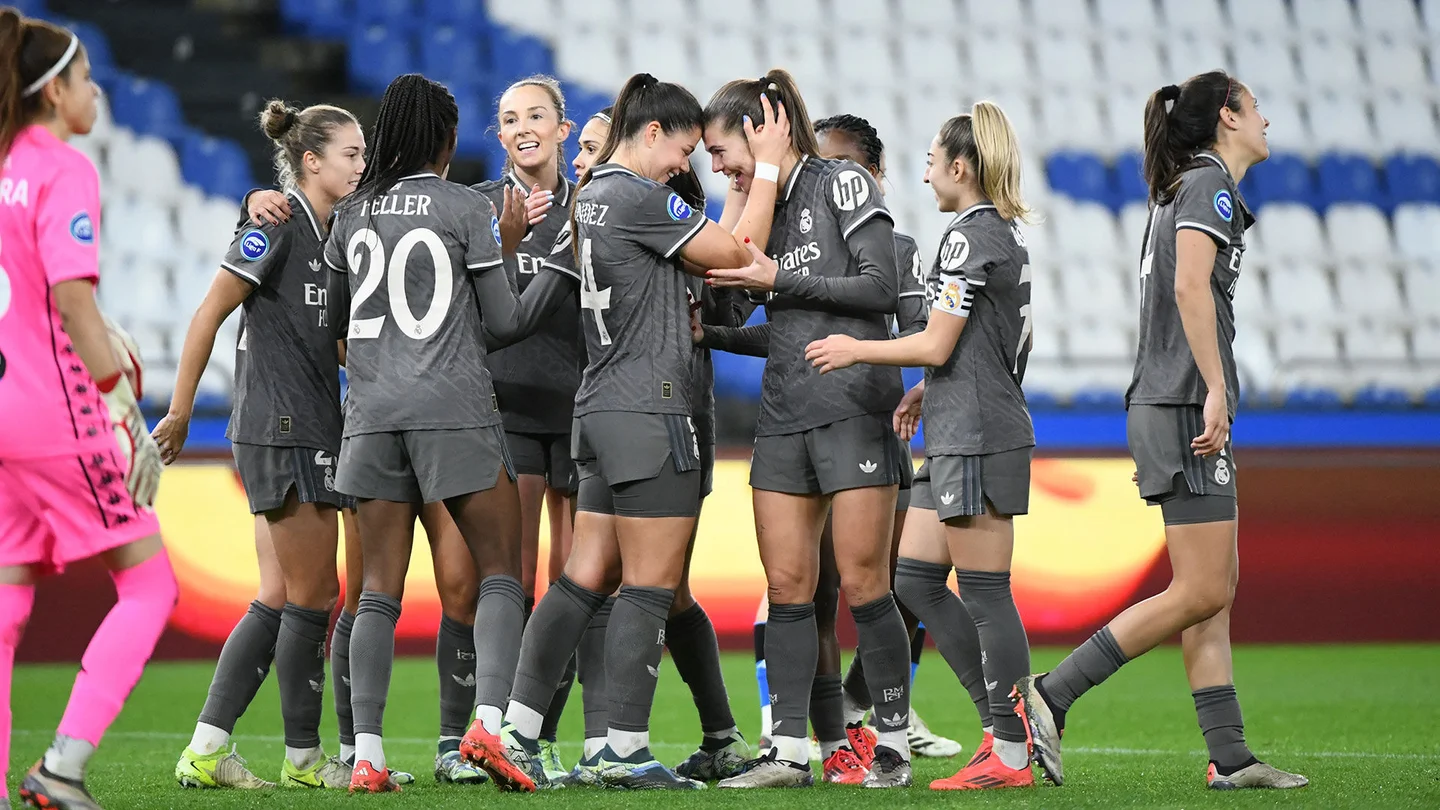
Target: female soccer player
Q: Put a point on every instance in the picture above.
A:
(78, 469)
(1201, 137)
(285, 430)
(421, 423)
(978, 436)
(820, 441)
(635, 410)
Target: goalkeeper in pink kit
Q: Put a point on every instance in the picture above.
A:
(78, 469)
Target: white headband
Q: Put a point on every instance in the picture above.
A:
(602, 116)
(34, 87)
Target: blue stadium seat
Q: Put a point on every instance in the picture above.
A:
(220, 166)
(911, 377)
(1281, 178)
(323, 19)
(1079, 175)
(514, 55)
(453, 56)
(1413, 178)
(1129, 179)
(1041, 401)
(399, 15)
(1312, 399)
(737, 376)
(30, 8)
(468, 15)
(97, 48)
(378, 54)
(1432, 397)
(1098, 399)
(149, 108)
(474, 139)
(1349, 178)
(1381, 397)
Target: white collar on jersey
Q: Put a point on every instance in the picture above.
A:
(609, 168)
(794, 178)
(299, 196)
(419, 176)
(972, 209)
(1211, 156)
(514, 178)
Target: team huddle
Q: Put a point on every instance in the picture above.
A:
(534, 343)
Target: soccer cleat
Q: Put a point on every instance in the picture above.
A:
(324, 772)
(42, 788)
(926, 743)
(366, 778)
(888, 770)
(550, 761)
(843, 768)
(402, 777)
(987, 747)
(721, 763)
(641, 771)
(862, 741)
(222, 769)
(487, 751)
(452, 769)
(586, 773)
(984, 772)
(1040, 721)
(1255, 775)
(770, 772)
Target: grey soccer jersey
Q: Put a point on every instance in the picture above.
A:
(913, 306)
(823, 204)
(287, 386)
(973, 402)
(415, 352)
(535, 379)
(634, 296)
(1209, 201)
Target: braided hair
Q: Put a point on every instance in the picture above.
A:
(864, 134)
(414, 127)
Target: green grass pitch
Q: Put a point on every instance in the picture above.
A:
(1363, 722)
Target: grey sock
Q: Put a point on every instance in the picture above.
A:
(551, 635)
(372, 655)
(1218, 710)
(633, 648)
(1005, 650)
(792, 651)
(696, 652)
(244, 663)
(455, 663)
(923, 587)
(1088, 666)
(340, 676)
(300, 673)
(827, 709)
(855, 686)
(885, 646)
(590, 669)
(551, 724)
(499, 623)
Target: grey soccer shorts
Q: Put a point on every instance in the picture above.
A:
(269, 473)
(907, 476)
(920, 495)
(961, 485)
(423, 466)
(862, 451)
(1159, 437)
(637, 464)
(547, 455)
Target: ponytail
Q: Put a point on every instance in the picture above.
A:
(1173, 134)
(741, 97)
(30, 51)
(643, 99)
(985, 139)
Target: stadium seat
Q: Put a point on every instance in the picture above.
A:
(1299, 345)
(1413, 179)
(1302, 294)
(1066, 62)
(1134, 217)
(218, 166)
(397, 15)
(598, 59)
(737, 376)
(1076, 121)
(1193, 53)
(725, 55)
(1101, 341)
(1417, 232)
(514, 55)
(1342, 124)
(930, 58)
(454, 57)
(1293, 232)
(1425, 343)
(1395, 19)
(323, 19)
(1194, 16)
(863, 15)
(1406, 123)
(1328, 17)
(377, 54)
(1422, 292)
(590, 16)
(1131, 61)
(928, 15)
(666, 18)
(798, 15)
(1370, 294)
(1046, 300)
(1126, 16)
(1086, 231)
(1375, 343)
(1395, 66)
(808, 58)
(1330, 63)
(1081, 175)
(1282, 178)
(1359, 235)
(466, 15)
(147, 107)
(1379, 396)
(1348, 178)
(1267, 64)
(1430, 12)
(1249, 17)
(1102, 291)
(992, 18)
(866, 61)
(998, 62)
(1129, 180)
(669, 55)
(149, 167)
(1049, 342)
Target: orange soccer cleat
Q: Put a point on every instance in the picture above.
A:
(366, 778)
(986, 771)
(843, 768)
(487, 752)
(862, 741)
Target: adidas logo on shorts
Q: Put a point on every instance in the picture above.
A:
(867, 466)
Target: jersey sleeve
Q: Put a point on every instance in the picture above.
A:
(335, 247)
(855, 198)
(67, 224)
(562, 253)
(662, 222)
(482, 236)
(1205, 202)
(257, 251)
(964, 264)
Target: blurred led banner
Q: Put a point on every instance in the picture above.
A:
(1081, 553)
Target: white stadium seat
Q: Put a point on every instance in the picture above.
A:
(1331, 64)
(1405, 123)
(1266, 64)
(1425, 343)
(863, 15)
(1417, 232)
(1422, 292)
(1191, 53)
(807, 57)
(1289, 131)
(1101, 341)
(1397, 19)
(1098, 290)
(1359, 234)
(592, 15)
(999, 62)
(664, 55)
(1198, 16)
(1127, 16)
(724, 55)
(1085, 231)
(599, 59)
(1306, 343)
(1396, 66)
(865, 60)
(1076, 121)
(1271, 17)
(1003, 18)
(1066, 63)
(1070, 19)
(931, 59)
(1132, 62)
(1049, 341)
(930, 15)
(1292, 232)
(799, 15)
(1370, 343)
(1331, 17)
(671, 16)
(1301, 293)
(1370, 294)
(1341, 124)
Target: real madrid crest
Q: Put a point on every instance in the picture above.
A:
(806, 221)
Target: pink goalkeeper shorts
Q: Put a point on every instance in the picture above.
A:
(58, 510)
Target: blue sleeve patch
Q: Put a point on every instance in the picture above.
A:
(677, 208)
(82, 230)
(1223, 205)
(254, 244)
(495, 227)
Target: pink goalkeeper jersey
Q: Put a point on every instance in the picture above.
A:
(49, 225)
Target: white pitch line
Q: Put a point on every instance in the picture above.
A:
(665, 746)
